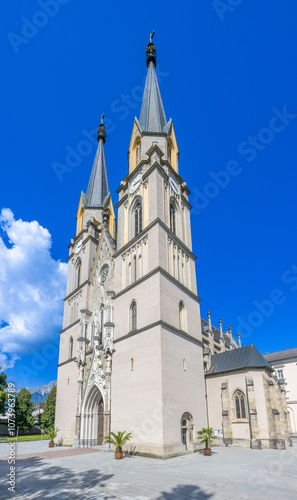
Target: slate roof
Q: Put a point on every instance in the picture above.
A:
(243, 357)
(152, 115)
(98, 191)
(281, 355)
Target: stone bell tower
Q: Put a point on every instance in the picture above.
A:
(84, 370)
(157, 376)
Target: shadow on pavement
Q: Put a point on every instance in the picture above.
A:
(185, 492)
(50, 478)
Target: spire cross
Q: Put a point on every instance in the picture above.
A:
(101, 130)
(151, 37)
(151, 55)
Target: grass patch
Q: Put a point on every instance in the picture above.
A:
(33, 437)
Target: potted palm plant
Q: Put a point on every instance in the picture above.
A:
(206, 435)
(118, 440)
(52, 432)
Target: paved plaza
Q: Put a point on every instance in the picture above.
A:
(230, 473)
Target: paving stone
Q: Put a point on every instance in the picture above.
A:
(231, 473)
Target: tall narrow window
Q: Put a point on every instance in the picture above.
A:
(172, 217)
(138, 218)
(70, 354)
(138, 153)
(78, 272)
(133, 316)
(182, 317)
(239, 404)
(135, 269)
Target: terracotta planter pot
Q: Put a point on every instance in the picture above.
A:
(51, 444)
(207, 452)
(118, 455)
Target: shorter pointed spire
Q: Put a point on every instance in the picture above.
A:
(98, 191)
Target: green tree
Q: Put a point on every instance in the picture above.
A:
(23, 410)
(3, 395)
(48, 415)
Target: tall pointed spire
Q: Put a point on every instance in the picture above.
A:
(98, 191)
(152, 115)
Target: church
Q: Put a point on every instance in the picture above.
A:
(135, 354)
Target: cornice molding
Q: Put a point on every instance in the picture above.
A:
(144, 233)
(70, 326)
(169, 327)
(166, 275)
(87, 282)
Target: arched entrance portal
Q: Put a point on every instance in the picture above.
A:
(187, 426)
(93, 419)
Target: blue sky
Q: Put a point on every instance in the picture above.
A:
(227, 74)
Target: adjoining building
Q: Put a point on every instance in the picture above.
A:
(38, 410)
(284, 364)
(134, 354)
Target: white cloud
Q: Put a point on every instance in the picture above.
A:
(32, 286)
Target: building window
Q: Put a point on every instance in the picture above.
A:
(138, 218)
(70, 355)
(134, 268)
(138, 153)
(280, 374)
(78, 272)
(104, 273)
(182, 317)
(172, 218)
(133, 316)
(239, 405)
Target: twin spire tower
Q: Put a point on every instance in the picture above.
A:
(131, 345)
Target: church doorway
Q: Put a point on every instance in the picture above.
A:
(93, 428)
(187, 430)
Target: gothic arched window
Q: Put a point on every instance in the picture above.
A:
(172, 217)
(78, 272)
(138, 217)
(133, 316)
(134, 268)
(70, 354)
(182, 317)
(239, 400)
(138, 153)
